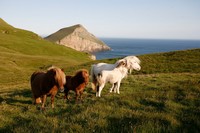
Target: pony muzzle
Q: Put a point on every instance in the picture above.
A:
(62, 89)
(139, 68)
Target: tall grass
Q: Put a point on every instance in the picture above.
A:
(152, 100)
(22, 52)
(163, 97)
(146, 103)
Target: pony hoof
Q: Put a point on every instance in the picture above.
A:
(42, 108)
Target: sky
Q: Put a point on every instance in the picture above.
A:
(152, 19)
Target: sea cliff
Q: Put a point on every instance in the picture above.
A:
(78, 38)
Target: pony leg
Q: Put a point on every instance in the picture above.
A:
(114, 87)
(44, 97)
(52, 101)
(118, 85)
(38, 100)
(94, 83)
(77, 95)
(93, 78)
(81, 94)
(111, 89)
(66, 94)
(130, 70)
(98, 93)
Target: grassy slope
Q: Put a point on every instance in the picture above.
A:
(160, 98)
(163, 97)
(22, 52)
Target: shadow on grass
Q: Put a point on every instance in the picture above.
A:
(190, 120)
(18, 96)
(159, 106)
(125, 124)
(19, 125)
(138, 124)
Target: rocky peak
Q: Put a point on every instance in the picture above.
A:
(77, 37)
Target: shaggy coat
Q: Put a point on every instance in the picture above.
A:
(76, 83)
(132, 62)
(112, 76)
(47, 83)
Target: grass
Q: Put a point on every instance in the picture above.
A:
(146, 104)
(22, 52)
(163, 97)
(153, 100)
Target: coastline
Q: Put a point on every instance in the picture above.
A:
(121, 47)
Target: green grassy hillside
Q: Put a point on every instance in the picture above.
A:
(22, 52)
(163, 97)
(185, 61)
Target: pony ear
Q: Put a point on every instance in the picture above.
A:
(85, 73)
(121, 63)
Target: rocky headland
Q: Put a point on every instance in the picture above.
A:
(78, 38)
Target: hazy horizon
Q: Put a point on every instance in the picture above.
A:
(155, 19)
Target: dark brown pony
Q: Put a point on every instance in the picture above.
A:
(47, 83)
(76, 83)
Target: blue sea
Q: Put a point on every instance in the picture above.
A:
(125, 47)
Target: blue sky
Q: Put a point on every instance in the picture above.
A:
(161, 19)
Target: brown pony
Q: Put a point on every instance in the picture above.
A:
(76, 83)
(47, 83)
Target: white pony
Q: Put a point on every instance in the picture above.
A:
(132, 62)
(97, 68)
(112, 76)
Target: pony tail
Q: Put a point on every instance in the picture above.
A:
(99, 76)
(92, 77)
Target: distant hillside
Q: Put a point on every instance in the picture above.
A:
(4, 25)
(22, 52)
(77, 37)
(183, 61)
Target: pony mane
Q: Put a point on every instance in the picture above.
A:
(82, 75)
(121, 63)
(59, 74)
(52, 67)
(137, 59)
(134, 58)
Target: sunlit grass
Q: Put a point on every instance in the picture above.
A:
(163, 97)
(142, 106)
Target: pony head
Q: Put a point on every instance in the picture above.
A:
(82, 76)
(85, 74)
(59, 76)
(132, 63)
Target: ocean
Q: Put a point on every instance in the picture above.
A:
(125, 47)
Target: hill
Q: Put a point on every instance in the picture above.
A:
(22, 52)
(77, 37)
(162, 97)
